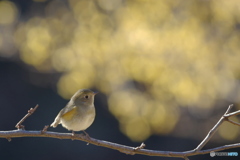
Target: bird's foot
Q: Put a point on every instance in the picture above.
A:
(73, 135)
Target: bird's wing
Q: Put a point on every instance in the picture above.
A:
(67, 112)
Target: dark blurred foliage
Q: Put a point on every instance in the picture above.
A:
(166, 72)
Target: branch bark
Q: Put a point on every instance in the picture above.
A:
(127, 149)
(214, 129)
(115, 146)
(30, 112)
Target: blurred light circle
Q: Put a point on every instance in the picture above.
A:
(8, 12)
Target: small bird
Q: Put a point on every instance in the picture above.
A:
(79, 113)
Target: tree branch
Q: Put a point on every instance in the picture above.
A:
(30, 112)
(213, 130)
(115, 146)
(126, 149)
(235, 123)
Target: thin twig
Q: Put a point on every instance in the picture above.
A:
(45, 129)
(186, 158)
(229, 108)
(209, 135)
(9, 139)
(232, 114)
(235, 123)
(30, 112)
(213, 130)
(140, 147)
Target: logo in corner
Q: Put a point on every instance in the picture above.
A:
(212, 154)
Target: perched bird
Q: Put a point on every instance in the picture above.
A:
(79, 113)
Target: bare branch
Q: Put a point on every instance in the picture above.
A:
(213, 130)
(209, 135)
(9, 139)
(225, 117)
(140, 147)
(115, 146)
(186, 158)
(235, 123)
(122, 148)
(232, 114)
(45, 129)
(229, 108)
(30, 112)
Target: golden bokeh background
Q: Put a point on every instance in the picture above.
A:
(152, 59)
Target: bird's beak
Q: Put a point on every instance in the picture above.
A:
(95, 93)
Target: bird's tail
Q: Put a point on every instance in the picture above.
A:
(56, 122)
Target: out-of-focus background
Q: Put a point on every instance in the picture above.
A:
(166, 72)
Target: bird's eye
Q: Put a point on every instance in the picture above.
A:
(86, 96)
